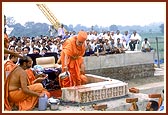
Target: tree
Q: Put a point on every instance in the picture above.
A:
(70, 27)
(162, 28)
(10, 21)
(29, 24)
(66, 27)
(113, 27)
(18, 30)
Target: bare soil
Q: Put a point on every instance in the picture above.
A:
(142, 81)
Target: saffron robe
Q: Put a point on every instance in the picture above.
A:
(74, 54)
(8, 67)
(19, 98)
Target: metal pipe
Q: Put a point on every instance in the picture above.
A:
(158, 64)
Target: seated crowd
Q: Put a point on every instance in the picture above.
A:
(96, 44)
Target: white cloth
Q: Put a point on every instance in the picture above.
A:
(118, 36)
(147, 45)
(61, 32)
(54, 48)
(136, 37)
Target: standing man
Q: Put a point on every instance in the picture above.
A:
(71, 59)
(61, 32)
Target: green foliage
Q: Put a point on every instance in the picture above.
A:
(162, 28)
(113, 28)
(30, 29)
(10, 21)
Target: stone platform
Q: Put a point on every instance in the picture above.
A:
(114, 105)
(98, 88)
(125, 66)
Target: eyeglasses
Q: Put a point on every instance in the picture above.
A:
(80, 42)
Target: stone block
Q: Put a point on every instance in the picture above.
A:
(104, 89)
(118, 60)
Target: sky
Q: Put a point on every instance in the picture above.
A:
(89, 13)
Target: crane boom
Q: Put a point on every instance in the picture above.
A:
(50, 16)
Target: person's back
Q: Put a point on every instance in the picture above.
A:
(18, 90)
(15, 82)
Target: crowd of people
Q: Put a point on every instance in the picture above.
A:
(96, 44)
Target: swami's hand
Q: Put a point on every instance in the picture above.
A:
(66, 68)
(82, 72)
(43, 75)
(17, 54)
(41, 94)
(39, 79)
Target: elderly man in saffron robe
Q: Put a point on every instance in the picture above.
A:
(72, 60)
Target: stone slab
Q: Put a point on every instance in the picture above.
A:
(105, 89)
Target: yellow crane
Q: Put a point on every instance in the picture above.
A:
(50, 16)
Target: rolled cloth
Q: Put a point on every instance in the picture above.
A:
(82, 35)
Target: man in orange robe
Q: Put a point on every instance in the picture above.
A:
(17, 90)
(71, 59)
(6, 45)
(30, 75)
(34, 77)
(10, 64)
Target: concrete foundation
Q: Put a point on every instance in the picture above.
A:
(98, 88)
(124, 66)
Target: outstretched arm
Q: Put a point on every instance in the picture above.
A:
(6, 51)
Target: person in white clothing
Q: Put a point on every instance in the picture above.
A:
(146, 47)
(54, 47)
(112, 35)
(126, 39)
(61, 32)
(108, 36)
(118, 35)
(90, 35)
(134, 40)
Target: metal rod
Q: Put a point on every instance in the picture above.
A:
(158, 64)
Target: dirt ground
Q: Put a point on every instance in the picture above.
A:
(156, 81)
(142, 81)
